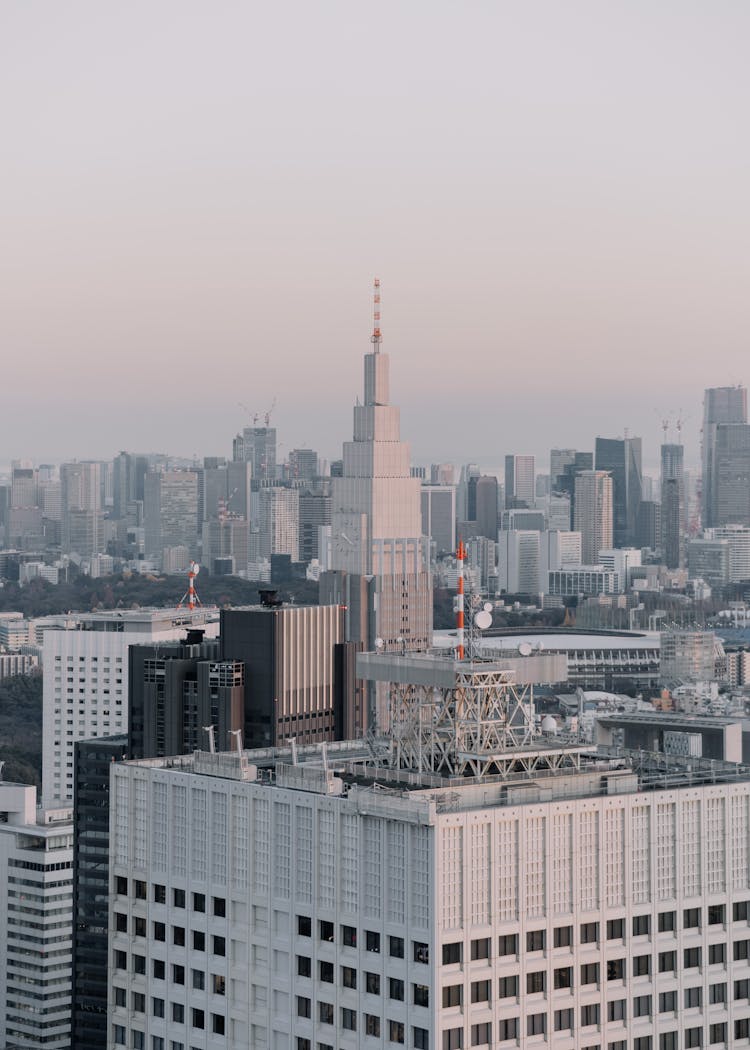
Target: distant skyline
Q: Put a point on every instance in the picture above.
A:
(197, 197)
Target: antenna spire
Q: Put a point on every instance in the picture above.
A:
(376, 336)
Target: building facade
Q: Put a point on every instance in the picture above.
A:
(593, 513)
(721, 405)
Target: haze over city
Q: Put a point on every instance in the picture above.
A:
(196, 198)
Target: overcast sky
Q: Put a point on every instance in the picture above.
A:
(196, 197)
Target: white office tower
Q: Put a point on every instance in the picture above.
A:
(518, 561)
(558, 549)
(738, 537)
(593, 513)
(470, 884)
(36, 922)
(85, 689)
(279, 522)
(380, 558)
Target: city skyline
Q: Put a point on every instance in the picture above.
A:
(550, 226)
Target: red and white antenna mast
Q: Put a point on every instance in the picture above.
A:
(192, 597)
(460, 558)
(376, 336)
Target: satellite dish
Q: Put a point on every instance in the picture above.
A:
(488, 607)
(483, 620)
(524, 649)
(539, 647)
(195, 568)
(379, 643)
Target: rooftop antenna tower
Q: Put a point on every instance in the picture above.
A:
(376, 336)
(192, 597)
(460, 559)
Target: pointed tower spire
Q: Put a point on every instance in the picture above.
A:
(376, 336)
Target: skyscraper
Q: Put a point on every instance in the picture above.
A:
(731, 475)
(170, 510)
(723, 404)
(82, 518)
(520, 489)
(622, 458)
(672, 506)
(258, 446)
(380, 559)
(593, 513)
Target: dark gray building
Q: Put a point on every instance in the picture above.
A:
(672, 505)
(731, 475)
(721, 405)
(622, 458)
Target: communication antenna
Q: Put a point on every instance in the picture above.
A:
(237, 734)
(376, 336)
(460, 558)
(211, 741)
(192, 597)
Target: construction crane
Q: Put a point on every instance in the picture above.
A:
(267, 416)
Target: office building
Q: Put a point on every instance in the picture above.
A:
(558, 549)
(170, 511)
(721, 405)
(621, 560)
(81, 509)
(523, 519)
(303, 464)
(582, 580)
(380, 559)
(520, 489)
(36, 922)
(738, 540)
(314, 515)
(689, 656)
(85, 686)
(621, 457)
(593, 513)
(257, 446)
(487, 506)
(672, 506)
(709, 560)
(224, 550)
(279, 522)
(439, 516)
(518, 562)
(648, 529)
(445, 889)
(731, 474)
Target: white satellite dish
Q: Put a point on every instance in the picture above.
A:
(539, 646)
(488, 607)
(483, 620)
(195, 568)
(379, 643)
(524, 649)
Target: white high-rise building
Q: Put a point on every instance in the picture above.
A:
(558, 549)
(499, 890)
(279, 522)
(518, 561)
(85, 690)
(36, 922)
(380, 559)
(593, 513)
(738, 537)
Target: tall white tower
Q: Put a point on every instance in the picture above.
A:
(380, 559)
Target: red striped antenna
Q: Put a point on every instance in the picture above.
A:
(376, 336)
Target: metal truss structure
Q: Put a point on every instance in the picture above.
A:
(481, 725)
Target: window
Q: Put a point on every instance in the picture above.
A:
(618, 1044)
(481, 1034)
(641, 925)
(199, 979)
(717, 1033)
(536, 940)
(421, 952)
(326, 971)
(615, 929)
(396, 1031)
(563, 1020)
(218, 984)
(304, 1006)
(507, 987)
(453, 995)
(536, 982)
(157, 1007)
(739, 911)
(667, 962)
(667, 1002)
(667, 921)
(396, 947)
(349, 977)
(691, 918)
(717, 993)
(326, 930)
(219, 907)
(617, 1010)
(303, 1043)
(217, 1024)
(717, 953)
(372, 1025)
(372, 983)
(160, 894)
(642, 1006)
(197, 1018)
(348, 1019)
(641, 965)
(157, 1043)
(395, 988)
(160, 931)
(693, 997)
(304, 926)
(178, 1013)
(643, 1042)
(139, 964)
(589, 932)
(536, 1024)
(158, 969)
(121, 922)
(562, 936)
(219, 945)
(480, 990)
(178, 898)
(692, 958)
(480, 948)
(693, 1037)
(372, 941)
(121, 960)
(325, 1013)
(119, 1034)
(452, 953)
(421, 1039)
(615, 969)
(138, 1040)
(421, 995)
(178, 936)
(668, 1041)
(178, 974)
(508, 944)
(563, 977)
(740, 950)
(453, 1039)
(716, 914)
(199, 902)
(589, 1014)
(349, 936)
(742, 1028)
(742, 989)
(304, 966)
(590, 973)
(140, 890)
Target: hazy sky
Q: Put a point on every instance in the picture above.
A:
(196, 196)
